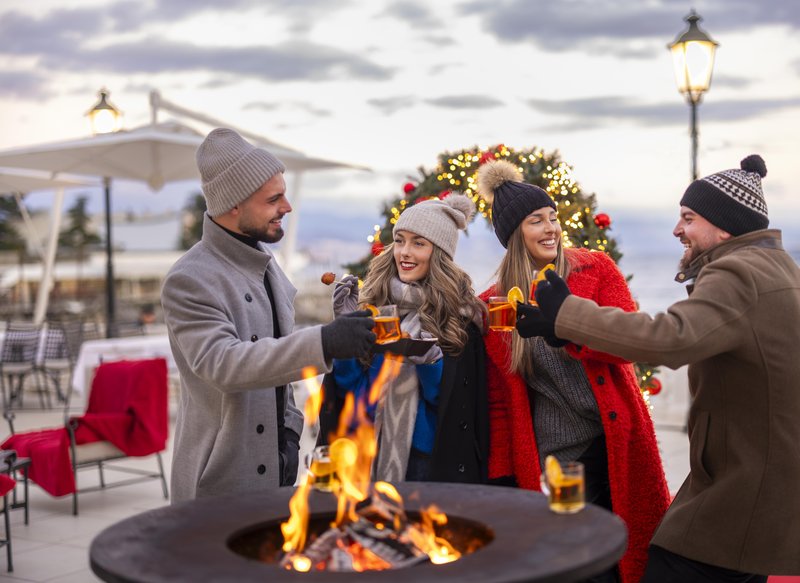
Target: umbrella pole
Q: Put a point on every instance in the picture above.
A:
(111, 325)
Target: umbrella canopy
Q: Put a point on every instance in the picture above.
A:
(15, 181)
(155, 154)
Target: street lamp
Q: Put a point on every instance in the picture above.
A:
(693, 60)
(104, 119)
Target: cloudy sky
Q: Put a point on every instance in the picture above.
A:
(390, 84)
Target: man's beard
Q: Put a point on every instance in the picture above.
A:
(261, 233)
(688, 256)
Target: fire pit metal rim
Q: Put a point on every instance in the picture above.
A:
(176, 543)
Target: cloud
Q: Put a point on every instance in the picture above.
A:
(465, 102)
(287, 62)
(417, 15)
(23, 84)
(302, 106)
(581, 24)
(596, 112)
(391, 105)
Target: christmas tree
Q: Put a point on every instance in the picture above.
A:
(456, 172)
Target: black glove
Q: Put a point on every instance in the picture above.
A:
(550, 294)
(532, 322)
(349, 336)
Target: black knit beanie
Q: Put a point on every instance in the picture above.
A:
(500, 183)
(732, 199)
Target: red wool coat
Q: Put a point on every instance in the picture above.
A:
(639, 493)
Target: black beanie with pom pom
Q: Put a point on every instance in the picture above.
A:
(732, 199)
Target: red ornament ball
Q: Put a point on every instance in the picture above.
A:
(602, 220)
(486, 157)
(409, 187)
(654, 386)
(377, 248)
(444, 194)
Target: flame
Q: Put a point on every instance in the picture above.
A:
(295, 528)
(389, 371)
(314, 401)
(423, 535)
(352, 454)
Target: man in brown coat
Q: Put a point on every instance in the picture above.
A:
(737, 515)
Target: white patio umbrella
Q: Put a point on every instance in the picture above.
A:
(17, 183)
(155, 154)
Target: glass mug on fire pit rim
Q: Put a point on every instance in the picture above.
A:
(320, 466)
(387, 324)
(502, 315)
(568, 495)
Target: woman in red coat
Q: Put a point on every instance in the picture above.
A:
(551, 398)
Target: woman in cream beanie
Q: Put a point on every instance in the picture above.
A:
(432, 419)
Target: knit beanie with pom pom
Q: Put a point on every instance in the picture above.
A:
(438, 220)
(500, 183)
(732, 199)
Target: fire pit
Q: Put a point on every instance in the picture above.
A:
(504, 534)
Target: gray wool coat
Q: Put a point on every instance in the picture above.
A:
(219, 320)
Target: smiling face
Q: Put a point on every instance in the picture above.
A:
(697, 235)
(412, 256)
(541, 232)
(259, 216)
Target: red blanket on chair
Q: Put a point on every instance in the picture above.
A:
(6, 484)
(127, 407)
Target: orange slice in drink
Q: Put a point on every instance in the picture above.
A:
(540, 276)
(373, 310)
(552, 470)
(515, 297)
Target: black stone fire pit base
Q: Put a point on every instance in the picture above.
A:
(523, 540)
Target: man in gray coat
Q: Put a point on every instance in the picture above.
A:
(737, 515)
(230, 316)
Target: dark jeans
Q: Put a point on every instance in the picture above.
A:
(664, 566)
(598, 491)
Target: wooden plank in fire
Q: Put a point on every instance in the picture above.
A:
(385, 544)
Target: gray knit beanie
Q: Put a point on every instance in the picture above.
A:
(231, 169)
(732, 199)
(438, 220)
(500, 184)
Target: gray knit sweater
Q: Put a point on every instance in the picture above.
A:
(564, 411)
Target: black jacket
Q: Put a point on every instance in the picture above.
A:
(461, 447)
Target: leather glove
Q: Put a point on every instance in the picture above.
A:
(550, 294)
(532, 322)
(345, 296)
(349, 336)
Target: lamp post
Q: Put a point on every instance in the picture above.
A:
(693, 61)
(104, 119)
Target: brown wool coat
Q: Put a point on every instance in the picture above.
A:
(739, 332)
(219, 319)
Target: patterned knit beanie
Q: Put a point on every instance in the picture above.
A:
(438, 220)
(231, 169)
(732, 199)
(500, 184)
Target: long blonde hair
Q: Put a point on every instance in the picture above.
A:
(447, 290)
(517, 269)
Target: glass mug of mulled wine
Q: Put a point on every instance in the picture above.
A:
(387, 324)
(564, 485)
(320, 466)
(502, 315)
